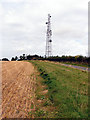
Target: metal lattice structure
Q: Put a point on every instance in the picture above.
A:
(48, 51)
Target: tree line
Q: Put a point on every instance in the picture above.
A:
(63, 58)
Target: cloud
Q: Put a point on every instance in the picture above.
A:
(24, 28)
(12, 1)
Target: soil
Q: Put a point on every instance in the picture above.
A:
(18, 89)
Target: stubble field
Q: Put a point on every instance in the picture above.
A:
(42, 89)
(17, 89)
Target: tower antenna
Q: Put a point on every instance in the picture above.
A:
(48, 51)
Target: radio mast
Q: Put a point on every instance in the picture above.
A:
(48, 51)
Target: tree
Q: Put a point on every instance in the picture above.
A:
(16, 58)
(5, 59)
(23, 56)
(12, 59)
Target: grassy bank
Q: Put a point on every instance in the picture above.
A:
(67, 90)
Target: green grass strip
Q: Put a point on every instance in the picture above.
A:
(67, 89)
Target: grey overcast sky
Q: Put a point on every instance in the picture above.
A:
(23, 28)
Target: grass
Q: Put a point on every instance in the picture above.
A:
(67, 90)
(32, 106)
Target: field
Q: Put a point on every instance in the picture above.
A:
(18, 86)
(67, 90)
(43, 89)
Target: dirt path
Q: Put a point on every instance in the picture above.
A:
(77, 67)
(18, 86)
(73, 66)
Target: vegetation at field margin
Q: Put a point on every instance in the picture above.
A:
(67, 90)
(77, 60)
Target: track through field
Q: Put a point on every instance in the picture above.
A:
(18, 89)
